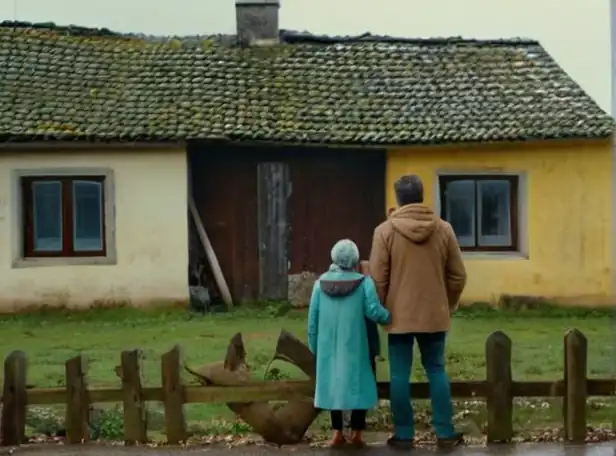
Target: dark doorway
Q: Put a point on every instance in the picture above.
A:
(270, 212)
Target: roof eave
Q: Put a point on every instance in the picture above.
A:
(33, 143)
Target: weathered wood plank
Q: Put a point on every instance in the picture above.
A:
(221, 282)
(290, 389)
(77, 401)
(344, 189)
(274, 190)
(225, 192)
(135, 408)
(576, 388)
(173, 396)
(14, 399)
(500, 388)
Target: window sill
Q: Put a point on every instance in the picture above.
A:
(494, 256)
(63, 261)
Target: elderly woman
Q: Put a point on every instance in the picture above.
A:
(341, 301)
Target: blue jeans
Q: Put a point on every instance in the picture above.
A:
(432, 348)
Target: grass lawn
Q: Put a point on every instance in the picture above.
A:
(50, 339)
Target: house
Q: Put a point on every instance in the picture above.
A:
(288, 142)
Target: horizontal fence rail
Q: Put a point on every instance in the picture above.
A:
(498, 389)
(279, 390)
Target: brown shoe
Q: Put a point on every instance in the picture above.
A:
(357, 439)
(337, 440)
(456, 440)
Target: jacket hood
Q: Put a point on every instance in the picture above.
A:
(340, 288)
(416, 222)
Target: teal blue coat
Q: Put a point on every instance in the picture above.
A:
(337, 335)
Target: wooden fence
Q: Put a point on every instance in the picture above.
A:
(498, 389)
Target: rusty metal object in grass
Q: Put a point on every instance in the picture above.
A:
(283, 425)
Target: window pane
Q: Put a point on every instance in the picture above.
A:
(494, 213)
(87, 216)
(460, 210)
(47, 213)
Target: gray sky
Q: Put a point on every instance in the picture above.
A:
(575, 32)
(398, 17)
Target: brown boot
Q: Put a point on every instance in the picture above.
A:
(357, 439)
(337, 439)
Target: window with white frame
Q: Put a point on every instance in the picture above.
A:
(482, 209)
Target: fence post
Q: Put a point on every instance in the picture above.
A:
(576, 392)
(135, 411)
(77, 401)
(173, 392)
(14, 399)
(500, 388)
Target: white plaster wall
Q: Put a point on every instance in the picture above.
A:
(150, 230)
(575, 32)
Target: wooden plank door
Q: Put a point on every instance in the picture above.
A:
(336, 195)
(274, 190)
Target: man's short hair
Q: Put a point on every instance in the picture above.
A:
(409, 190)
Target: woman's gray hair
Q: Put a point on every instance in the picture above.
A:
(345, 254)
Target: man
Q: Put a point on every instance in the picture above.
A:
(417, 267)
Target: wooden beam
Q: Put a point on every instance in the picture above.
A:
(283, 390)
(500, 388)
(273, 191)
(173, 396)
(576, 390)
(14, 399)
(77, 401)
(209, 252)
(135, 409)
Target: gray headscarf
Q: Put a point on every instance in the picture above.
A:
(345, 255)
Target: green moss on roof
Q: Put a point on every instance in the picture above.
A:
(96, 85)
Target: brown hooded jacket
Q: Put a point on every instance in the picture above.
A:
(417, 267)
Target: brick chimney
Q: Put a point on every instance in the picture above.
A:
(257, 22)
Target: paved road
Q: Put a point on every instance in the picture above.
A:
(608, 449)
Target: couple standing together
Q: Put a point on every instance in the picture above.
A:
(416, 277)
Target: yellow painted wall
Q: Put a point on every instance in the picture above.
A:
(150, 229)
(568, 215)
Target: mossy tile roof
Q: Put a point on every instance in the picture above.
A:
(85, 84)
